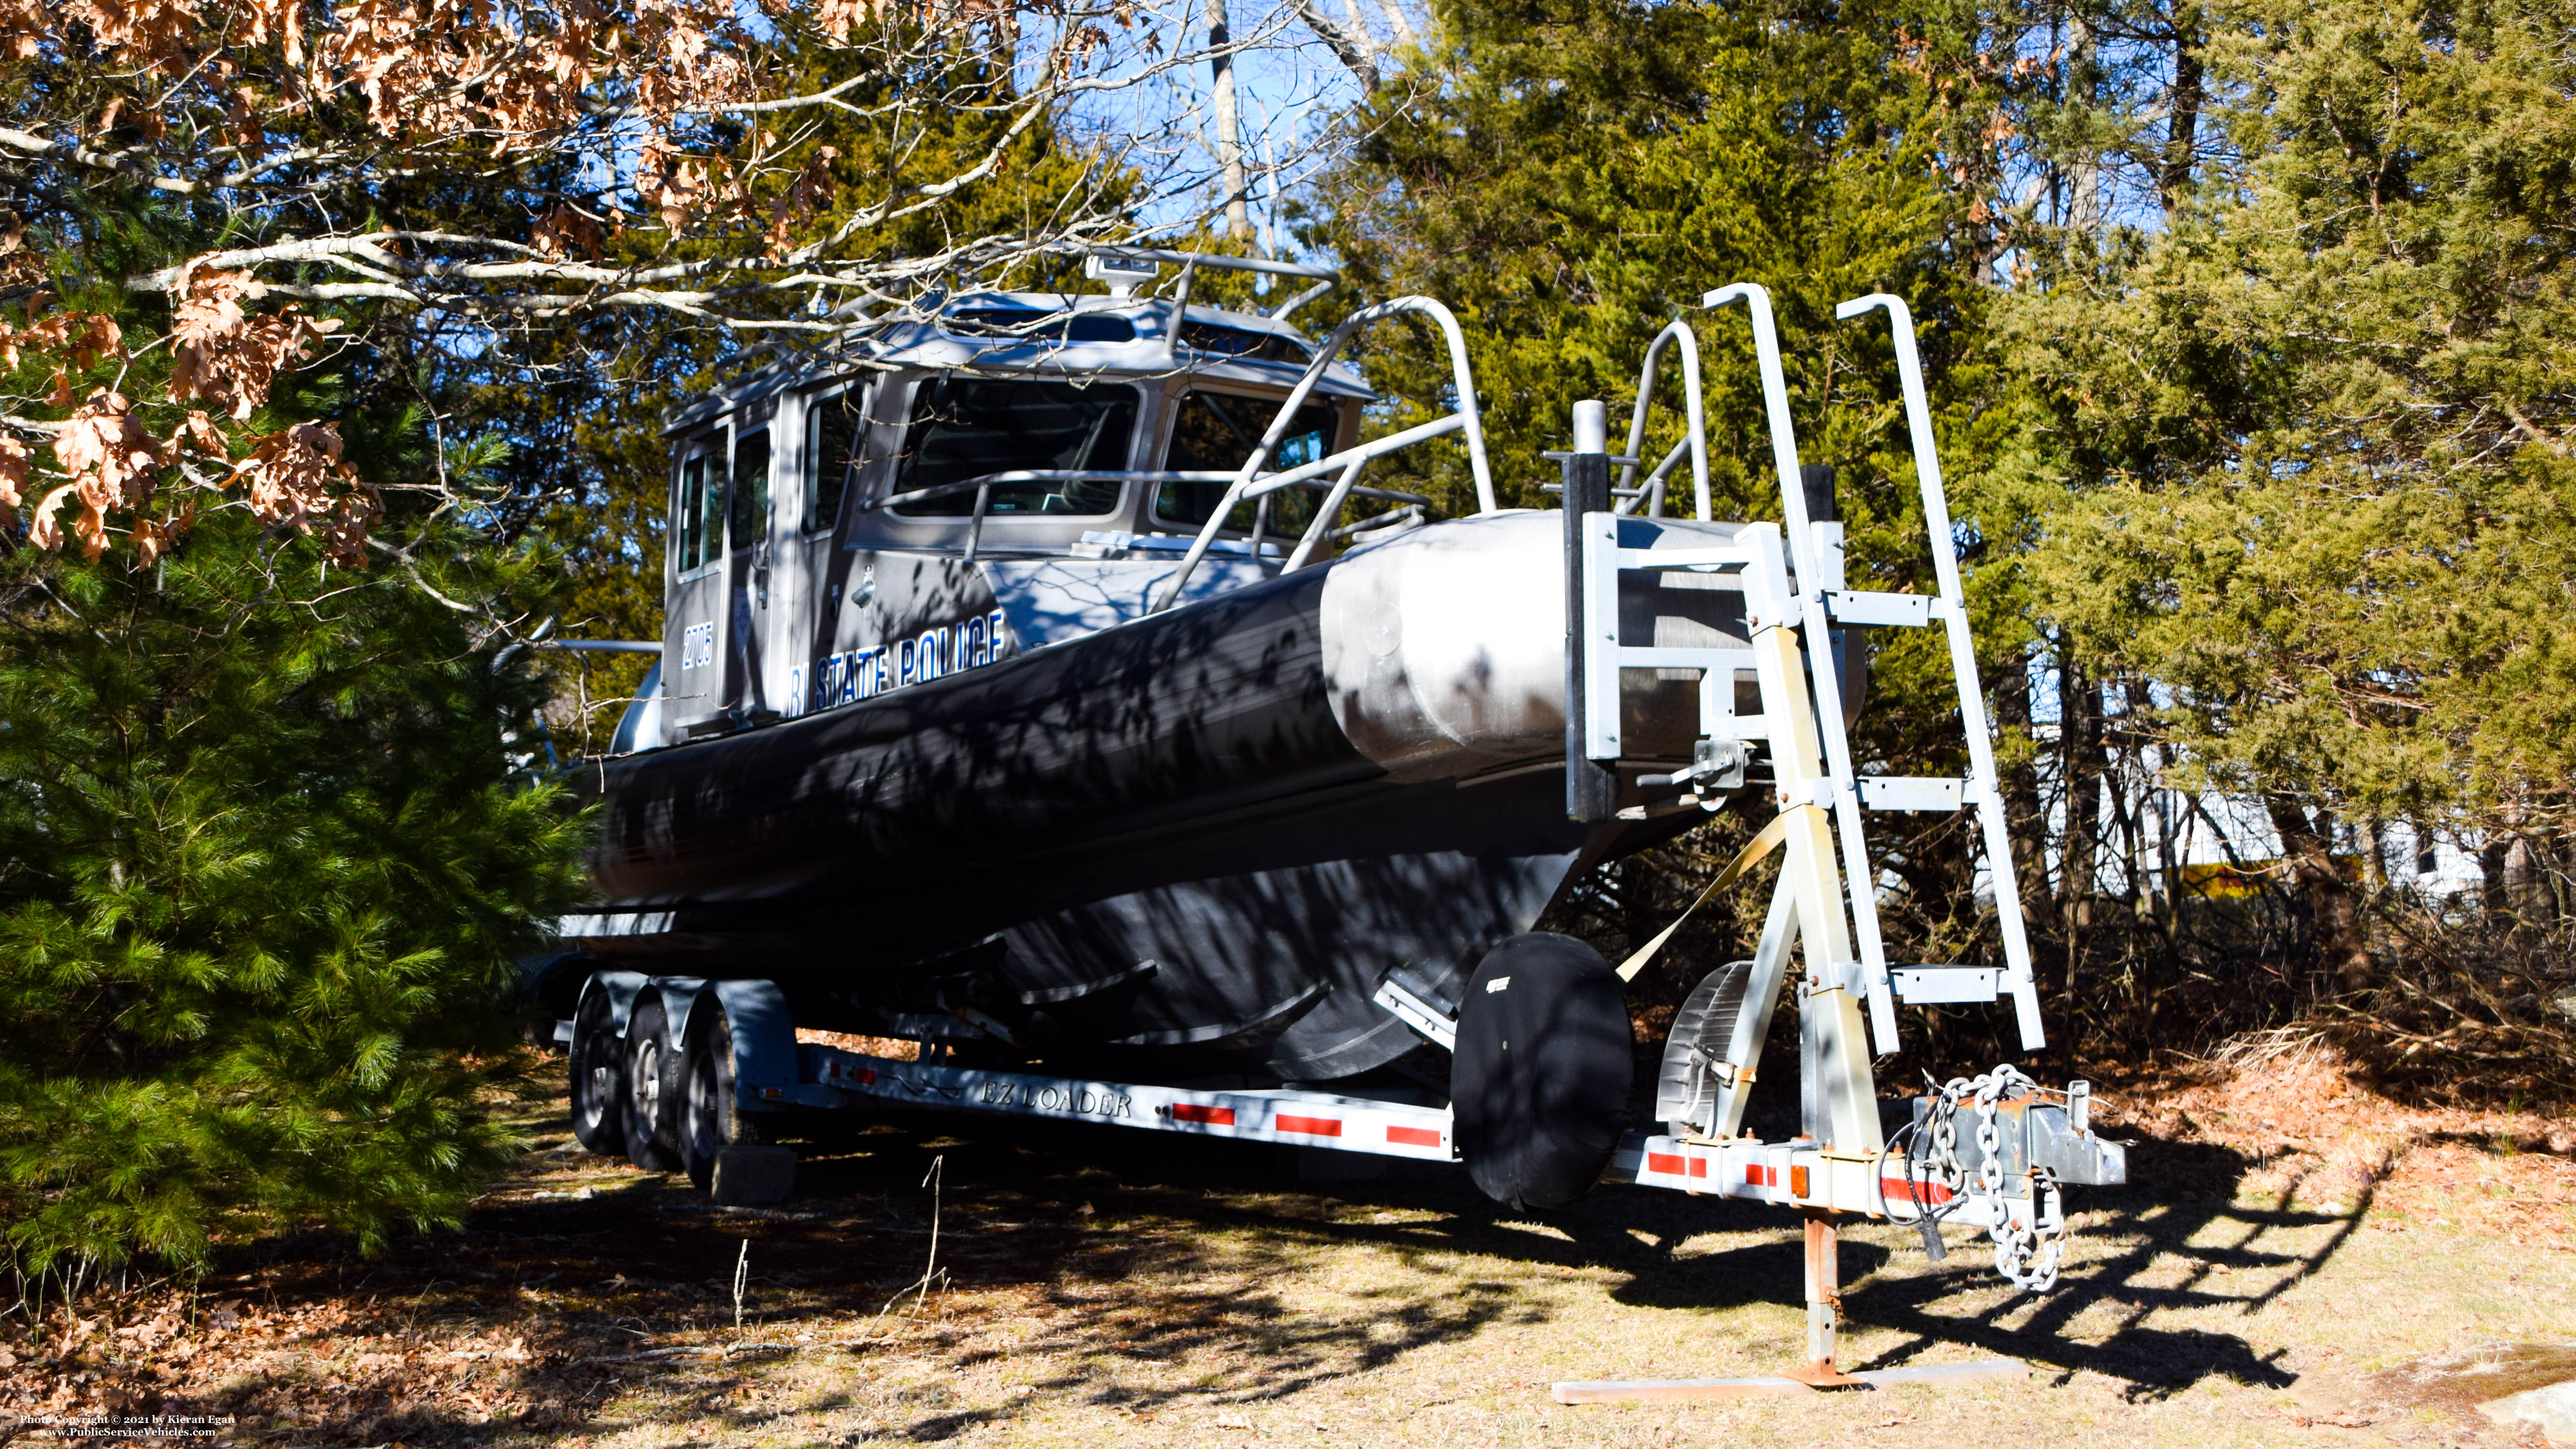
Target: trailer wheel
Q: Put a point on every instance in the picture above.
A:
(710, 1121)
(598, 1078)
(1540, 1079)
(651, 1089)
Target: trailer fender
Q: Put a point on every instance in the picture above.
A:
(679, 995)
(764, 1043)
(620, 987)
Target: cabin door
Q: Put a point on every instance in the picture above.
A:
(747, 570)
(693, 609)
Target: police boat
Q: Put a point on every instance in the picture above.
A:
(1025, 694)
(1042, 679)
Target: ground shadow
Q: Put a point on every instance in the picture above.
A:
(1121, 1250)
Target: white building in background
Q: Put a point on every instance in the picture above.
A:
(2150, 830)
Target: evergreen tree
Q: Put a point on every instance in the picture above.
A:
(264, 876)
(2315, 432)
(263, 866)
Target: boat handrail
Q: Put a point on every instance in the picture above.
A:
(1349, 530)
(983, 486)
(1102, 475)
(1695, 441)
(1116, 252)
(1250, 482)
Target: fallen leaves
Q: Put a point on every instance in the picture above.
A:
(2315, 1132)
(2332, 1421)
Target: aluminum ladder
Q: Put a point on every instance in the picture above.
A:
(1792, 579)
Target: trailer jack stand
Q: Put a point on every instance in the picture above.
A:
(1824, 1307)
(1824, 1316)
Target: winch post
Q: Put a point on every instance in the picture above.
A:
(1591, 787)
(1839, 1100)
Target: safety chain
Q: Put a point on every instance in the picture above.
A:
(2027, 1253)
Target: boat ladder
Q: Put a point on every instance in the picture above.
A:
(1796, 602)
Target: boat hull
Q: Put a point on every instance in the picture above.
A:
(1160, 837)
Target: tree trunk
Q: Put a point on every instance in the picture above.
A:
(2182, 134)
(2079, 726)
(1229, 130)
(2491, 890)
(2084, 172)
(2026, 822)
(2307, 845)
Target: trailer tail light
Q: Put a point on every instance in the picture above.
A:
(1200, 1112)
(1414, 1136)
(1311, 1126)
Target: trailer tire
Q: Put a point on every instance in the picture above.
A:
(652, 1089)
(598, 1059)
(711, 1119)
(1540, 1078)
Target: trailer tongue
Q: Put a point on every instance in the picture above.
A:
(1166, 809)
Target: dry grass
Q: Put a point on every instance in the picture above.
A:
(2291, 1247)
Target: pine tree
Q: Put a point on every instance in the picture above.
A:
(2316, 433)
(264, 875)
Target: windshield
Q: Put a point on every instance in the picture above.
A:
(968, 427)
(1216, 431)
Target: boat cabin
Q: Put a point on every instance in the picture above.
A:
(929, 497)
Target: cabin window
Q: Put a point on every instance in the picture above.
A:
(1216, 432)
(1038, 326)
(833, 441)
(1224, 341)
(698, 514)
(749, 522)
(838, 423)
(964, 428)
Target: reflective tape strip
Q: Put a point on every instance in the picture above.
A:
(1676, 1164)
(1311, 1126)
(1756, 1175)
(1923, 1192)
(1414, 1136)
(1199, 1112)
